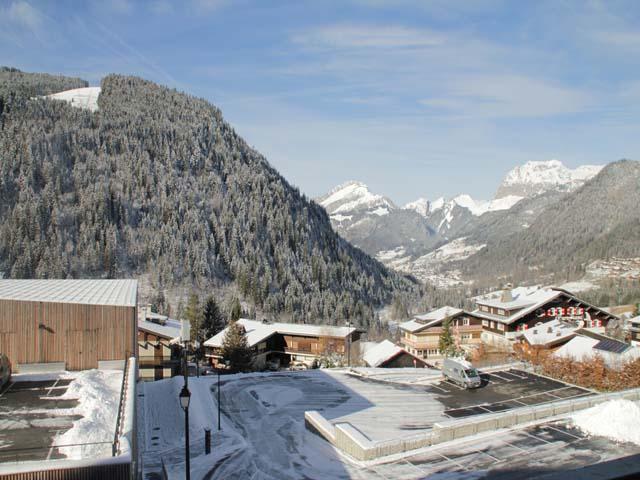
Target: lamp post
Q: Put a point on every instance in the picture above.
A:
(185, 398)
(218, 398)
(349, 344)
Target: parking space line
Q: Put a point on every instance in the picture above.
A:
(509, 372)
(501, 378)
(515, 446)
(52, 446)
(488, 455)
(562, 431)
(52, 387)
(452, 461)
(533, 436)
(453, 384)
(439, 388)
(7, 389)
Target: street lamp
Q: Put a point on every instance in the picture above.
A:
(185, 398)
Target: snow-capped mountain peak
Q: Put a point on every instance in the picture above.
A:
(536, 177)
(354, 196)
(421, 205)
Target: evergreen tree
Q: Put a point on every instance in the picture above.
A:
(235, 312)
(193, 313)
(235, 349)
(446, 344)
(212, 319)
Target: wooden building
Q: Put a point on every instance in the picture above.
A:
(75, 322)
(387, 354)
(634, 330)
(158, 356)
(288, 342)
(507, 314)
(421, 334)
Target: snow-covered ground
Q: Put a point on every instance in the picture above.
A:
(618, 420)
(80, 97)
(98, 395)
(263, 434)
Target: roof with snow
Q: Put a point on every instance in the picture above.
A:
(86, 98)
(88, 292)
(257, 331)
(430, 319)
(385, 350)
(169, 330)
(521, 301)
(581, 348)
(550, 333)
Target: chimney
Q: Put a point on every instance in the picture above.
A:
(507, 296)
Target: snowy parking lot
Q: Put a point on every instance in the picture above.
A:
(263, 434)
(58, 415)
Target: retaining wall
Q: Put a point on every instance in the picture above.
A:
(354, 443)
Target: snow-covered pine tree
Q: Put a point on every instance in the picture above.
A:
(212, 319)
(235, 349)
(446, 344)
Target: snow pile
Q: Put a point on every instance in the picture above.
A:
(98, 394)
(618, 420)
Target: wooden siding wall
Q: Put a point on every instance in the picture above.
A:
(79, 335)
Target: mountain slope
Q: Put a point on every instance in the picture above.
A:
(156, 184)
(599, 220)
(373, 222)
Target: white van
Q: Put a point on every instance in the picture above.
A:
(461, 372)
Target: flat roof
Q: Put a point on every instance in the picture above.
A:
(88, 292)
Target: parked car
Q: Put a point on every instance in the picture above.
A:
(298, 366)
(461, 372)
(5, 370)
(273, 365)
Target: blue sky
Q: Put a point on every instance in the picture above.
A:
(417, 99)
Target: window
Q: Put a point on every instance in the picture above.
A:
(466, 337)
(500, 311)
(493, 324)
(485, 323)
(465, 322)
(483, 308)
(501, 327)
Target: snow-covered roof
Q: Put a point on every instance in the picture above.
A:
(549, 333)
(88, 292)
(256, 331)
(80, 97)
(385, 350)
(521, 297)
(635, 320)
(524, 300)
(582, 348)
(170, 330)
(430, 319)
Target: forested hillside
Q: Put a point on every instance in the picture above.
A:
(599, 220)
(156, 183)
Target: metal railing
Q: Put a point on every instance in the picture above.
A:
(116, 435)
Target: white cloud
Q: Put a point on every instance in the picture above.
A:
(368, 36)
(509, 96)
(23, 14)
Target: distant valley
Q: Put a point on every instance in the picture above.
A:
(448, 242)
